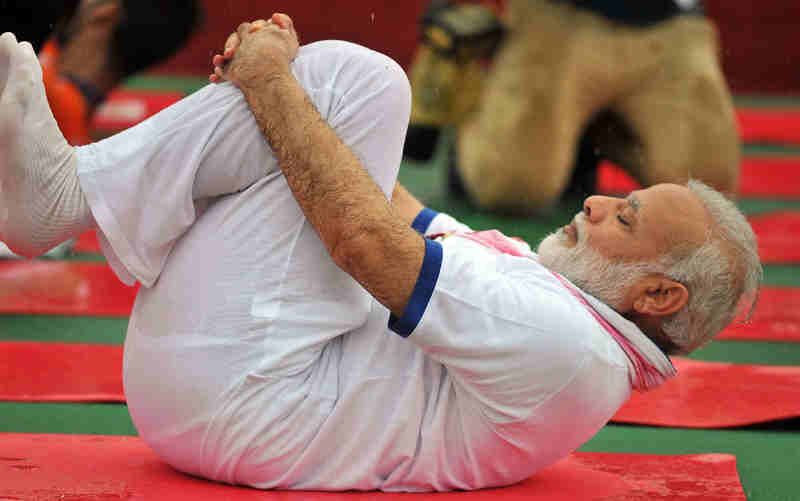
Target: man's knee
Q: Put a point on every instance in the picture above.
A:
(510, 185)
(358, 76)
(384, 76)
(720, 166)
(514, 201)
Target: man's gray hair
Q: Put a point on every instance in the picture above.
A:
(722, 275)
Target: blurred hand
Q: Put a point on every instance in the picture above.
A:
(257, 51)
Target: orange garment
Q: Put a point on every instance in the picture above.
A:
(69, 106)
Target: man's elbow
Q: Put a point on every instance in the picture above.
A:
(354, 252)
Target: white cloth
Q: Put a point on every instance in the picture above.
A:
(251, 358)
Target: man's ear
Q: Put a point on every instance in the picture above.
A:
(660, 296)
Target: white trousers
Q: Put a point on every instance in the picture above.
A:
(237, 287)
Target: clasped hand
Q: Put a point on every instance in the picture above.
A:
(257, 52)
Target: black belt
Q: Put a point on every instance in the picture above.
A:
(638, 12)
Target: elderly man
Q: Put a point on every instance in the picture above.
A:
(295, 331)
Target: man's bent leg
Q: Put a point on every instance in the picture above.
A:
(142, 183)
(42, 201)
(145, 184)
(250, 301)
(366, 99)
(683, 115)
(556, 70)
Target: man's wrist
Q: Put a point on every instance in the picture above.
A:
(267, 82)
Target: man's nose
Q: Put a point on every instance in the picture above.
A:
(596, 207)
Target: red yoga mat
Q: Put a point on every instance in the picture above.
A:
(778, 236)
(760, 125)
(63, 288)
(767, 177)
(87, 243)
(717, 395)
(52, 467)
(59, 372)
(776, 318)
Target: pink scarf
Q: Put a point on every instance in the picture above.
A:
(646, 375)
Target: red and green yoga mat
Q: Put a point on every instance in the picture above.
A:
(51, 467)
(778, 236)
(60, 372)
(87, 243)
(776, 318)
(769, 125)
(761, 177)
(717, 395)
(703, 395)
(63, 288)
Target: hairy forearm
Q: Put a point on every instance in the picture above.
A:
(405, 204)
(361, 231)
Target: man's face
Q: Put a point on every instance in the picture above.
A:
(606, 248)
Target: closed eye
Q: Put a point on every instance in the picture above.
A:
(622, 220)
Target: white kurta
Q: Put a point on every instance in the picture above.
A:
(251, 358)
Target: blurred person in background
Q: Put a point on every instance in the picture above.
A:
(572, 82)
(102, 42)
(88, 47)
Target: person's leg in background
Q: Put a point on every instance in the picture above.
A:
(681, 116)
(448, 71)
(570, 84)
(555, 71)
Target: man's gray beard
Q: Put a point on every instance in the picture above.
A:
(595, 274)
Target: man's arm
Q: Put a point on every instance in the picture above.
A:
(405, 204)
(364, 235)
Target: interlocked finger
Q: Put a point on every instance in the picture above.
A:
(232, 42)
(258, 24)
(242, 30)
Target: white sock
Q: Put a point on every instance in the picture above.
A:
(41, 201)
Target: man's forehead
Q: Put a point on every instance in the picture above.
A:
(673, 211)
(667, 196)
